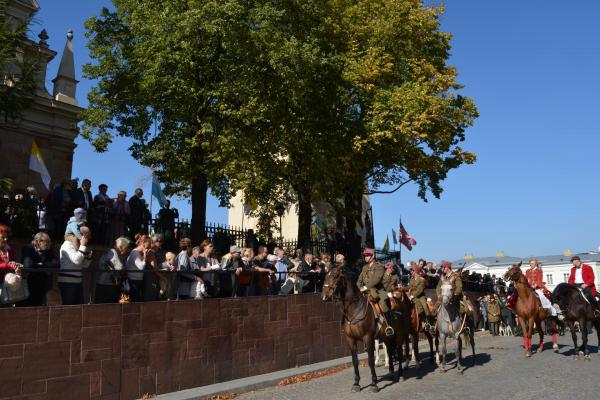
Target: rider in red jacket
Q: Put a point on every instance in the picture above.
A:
(582, 276)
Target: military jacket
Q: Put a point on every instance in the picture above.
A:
(371, 276)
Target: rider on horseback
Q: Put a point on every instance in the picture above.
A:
(582, 276)
(371, 281)
(535, 278)
(416, 293)
(457, 289)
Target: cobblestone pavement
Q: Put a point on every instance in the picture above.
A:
(501, 372)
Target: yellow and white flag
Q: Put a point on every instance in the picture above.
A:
(36, 163)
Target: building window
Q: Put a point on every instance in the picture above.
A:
(549, 280)
(566, 277)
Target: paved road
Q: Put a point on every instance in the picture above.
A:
(501, 372)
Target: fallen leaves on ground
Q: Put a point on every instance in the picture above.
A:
(312, 375)
(226, 396)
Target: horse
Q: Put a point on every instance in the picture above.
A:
(359, 323)
(576, 308)
(529, 309)
(450, 324)
(406, 307)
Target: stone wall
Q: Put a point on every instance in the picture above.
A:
(124, 351)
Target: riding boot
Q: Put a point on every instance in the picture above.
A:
(389, 331)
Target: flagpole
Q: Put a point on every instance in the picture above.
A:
(399, 240)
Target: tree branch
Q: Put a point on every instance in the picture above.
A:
(370, 192)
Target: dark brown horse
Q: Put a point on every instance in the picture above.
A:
(359, 324)
(576, 308)
(530, 311)
(406, 307)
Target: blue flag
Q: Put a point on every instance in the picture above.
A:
(157, 191)
(394, 236)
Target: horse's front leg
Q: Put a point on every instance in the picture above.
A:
(574, 337)
(370, 351)
(554, 335)
(443, 353)
(459, 367)
(437, 348)
(354, 351)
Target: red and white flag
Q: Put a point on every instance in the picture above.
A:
(405, 238)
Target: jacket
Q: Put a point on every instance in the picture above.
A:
(587, 273)
(535, 277)
(73, 258)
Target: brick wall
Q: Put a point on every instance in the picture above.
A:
(123, 351)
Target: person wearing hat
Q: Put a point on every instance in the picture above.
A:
(78, 220)
(371, 280)
(416, 293)
(234, 265)
(582, 276)
(447, 273)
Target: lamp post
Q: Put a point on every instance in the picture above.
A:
(280, 210)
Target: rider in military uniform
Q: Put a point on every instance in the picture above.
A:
(416, 293)
(458, 286)
(371, 281)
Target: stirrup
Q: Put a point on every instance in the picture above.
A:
(389, 331)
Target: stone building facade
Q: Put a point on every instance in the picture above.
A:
(51, 120)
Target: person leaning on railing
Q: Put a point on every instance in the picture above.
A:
(74, 256)
(36, 255)
(108, 286)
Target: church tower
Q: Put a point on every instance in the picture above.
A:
(51, 120)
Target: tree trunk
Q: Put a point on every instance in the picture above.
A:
(353, 214)
(199, 191)
(304, 219)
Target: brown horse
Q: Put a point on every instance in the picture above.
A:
(530, 311)
(406, 307)
(360, 324)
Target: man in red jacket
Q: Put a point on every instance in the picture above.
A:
(582, 276)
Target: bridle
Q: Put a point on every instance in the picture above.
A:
(334, 288)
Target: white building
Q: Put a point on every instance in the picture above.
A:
(238, 216)
(556, 268)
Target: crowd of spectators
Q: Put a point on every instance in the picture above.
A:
(156, 260)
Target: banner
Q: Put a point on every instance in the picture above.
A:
(36, 163)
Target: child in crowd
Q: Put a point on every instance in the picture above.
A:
(77, 221)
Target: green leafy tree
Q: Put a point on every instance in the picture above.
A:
(17, 73)
(161, 68)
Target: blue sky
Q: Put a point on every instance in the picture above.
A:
(532, 68)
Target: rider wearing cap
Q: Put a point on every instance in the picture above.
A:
(371, 281)
(582, 276)
(457, 290)
(416, 293)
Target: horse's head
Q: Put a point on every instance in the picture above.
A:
(514, 273)
(334, 285)
(447, 289)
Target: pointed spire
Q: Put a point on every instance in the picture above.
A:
(65, 83)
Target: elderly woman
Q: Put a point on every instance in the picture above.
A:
(139, 259)
(108, 286)
(74, 257)
(39, 254)
(7, 255)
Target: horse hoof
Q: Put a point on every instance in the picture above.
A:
(373, 389)
(442, 370)
(528, 354)
(355, 388)
(587, 357)
(460, 371)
